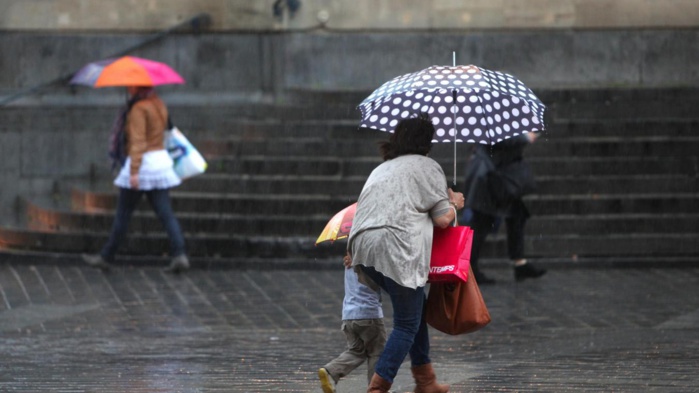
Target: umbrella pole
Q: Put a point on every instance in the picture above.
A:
(454, 122)
(453, 113)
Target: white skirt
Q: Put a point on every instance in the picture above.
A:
(156, 172)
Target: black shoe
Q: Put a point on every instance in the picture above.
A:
(482, 279)
(528, 271)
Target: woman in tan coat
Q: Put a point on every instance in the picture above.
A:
(146, 168)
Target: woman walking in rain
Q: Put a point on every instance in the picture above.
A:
(137, 146)
(391, 241)
(496, 179)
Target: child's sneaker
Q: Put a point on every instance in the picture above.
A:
(326, 381)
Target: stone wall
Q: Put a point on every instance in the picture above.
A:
(242, 63)
(236, 15)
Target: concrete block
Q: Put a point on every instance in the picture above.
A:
(634, 13)
(671, 57)
(380, 14)
(245, 15)
(538, 13)
(536, 58)
(56, 154)
(599, 13)
(473, 14)
(10, 152)
(540, 59)
(220, 63)
(617, 58)
(240, 64)
(207, 62)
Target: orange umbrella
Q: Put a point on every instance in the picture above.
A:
(339, 226)
(126, 71)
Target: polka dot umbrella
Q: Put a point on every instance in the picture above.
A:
(466, 103)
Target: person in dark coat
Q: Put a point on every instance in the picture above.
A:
(496, 180)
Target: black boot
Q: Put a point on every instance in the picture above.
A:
(528, 271)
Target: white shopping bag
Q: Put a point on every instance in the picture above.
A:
(187, 160)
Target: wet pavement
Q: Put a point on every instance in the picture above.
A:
(68, 328)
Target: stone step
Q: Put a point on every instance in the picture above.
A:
(650, 103)
(321, 165)
(210, 245)
(293, 147)
(599, 95)
(626, 223)
(616, 184)
(617, 172)
(623, 128)
(300, 204)
(602, 103)
(241, 119)
(232, 246)
(655, 146)
(274, 128)
(584, 103)
(318, 165)
(571, 104)
(605, 245)
(187, 117)
(145, 222)
(582, 204)
(338, 129)
(352, 185)
(225, 203)
(276, 184)
(661, 146)
(615, 165)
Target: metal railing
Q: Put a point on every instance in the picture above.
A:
(196, 23)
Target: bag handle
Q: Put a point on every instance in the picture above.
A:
(450, 287)
(456, 215)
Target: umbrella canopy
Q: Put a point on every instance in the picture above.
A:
(466, 104)
(126, 71)
(339, 226)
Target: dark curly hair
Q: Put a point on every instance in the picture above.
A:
(411, 136)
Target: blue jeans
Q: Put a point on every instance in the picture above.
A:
(127, 203)
(409, 335)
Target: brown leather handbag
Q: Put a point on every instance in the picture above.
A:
(456, 308)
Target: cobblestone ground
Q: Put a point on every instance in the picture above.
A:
(75, 329)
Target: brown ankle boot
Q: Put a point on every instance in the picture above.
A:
(378, 385)
(426, 381)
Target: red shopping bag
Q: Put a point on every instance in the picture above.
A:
(451, 254)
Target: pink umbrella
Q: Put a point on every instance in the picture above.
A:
(126, 71)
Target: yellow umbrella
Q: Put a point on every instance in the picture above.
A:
(339, 226)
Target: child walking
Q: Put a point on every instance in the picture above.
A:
(362, 323)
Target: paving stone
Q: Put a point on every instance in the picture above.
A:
(69, 328)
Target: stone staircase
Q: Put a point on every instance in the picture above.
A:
(617, 172)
